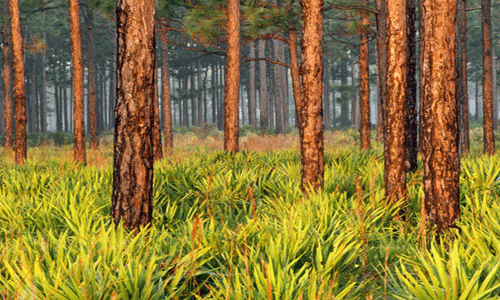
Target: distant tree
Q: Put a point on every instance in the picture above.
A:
(78, 104)
(489, 139)
(7, 80)
(166, 101)
(464, 80)
(439, 81)
(311, 140)
(21, 146)
(251, 89)
(264, 120)
(133, 140)
(381, 65)
(43, 115)
(232, 84)
(395, 105)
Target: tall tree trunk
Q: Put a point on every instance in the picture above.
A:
(157, 149)
(264, 121)
(344, 106)
(213, 85)
(232, 83)
(2, 102)
(32, 121)
(7, 82)
(133, 147)
(494, 87)
(284, 88)
(381, 65)
(489, 140)
(326, 97)
(364, 83)
(165, 85)
(251, 89)
(91, 79)
(76, 53)
(21, 146)
(278, 97)
(199, 109)
(44, 81)
(439, 80)
(464, 80)
(354, 104)
(411, 136)
(394, 118)
(294, 70)
(311, 144)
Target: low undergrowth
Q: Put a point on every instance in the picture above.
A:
(238, 227)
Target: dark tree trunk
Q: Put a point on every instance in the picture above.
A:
(354, 100)
(166, 101)
(464, 82)
(76, 53)
(311, 144)
(32, 121)
(439, 80)
(232, 83)
(326, 97)
(381, 65)
(394, 118)
(278, 97)
(411, 136)
(199, 109)
(344, 106)
(43, 115)
(251, 89)
(133, 141)
(264, 121)
(489, 140)
(364, 83)
(91, 79)
(21, 146)
(157, 149)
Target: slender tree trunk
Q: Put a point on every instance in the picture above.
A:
(364, 83)
(354, 101)
(344, 106)
(76, 53)
(200, 95)
(381, 65)
(213, 85)
(311, 145)
(394, 119)
(294, 68)
(7, 83)
(44, 81)
(91, 79)
(264, 121)
(494, 87)
(232, 83)
(326, 97)
(157, 149)
(251, 89)
(464, 83)
(2, 102)
(165, 85)
(33, 120)
(21, 146)
(284, 88)
(489, 140)
(477, 100)
(134, 113)
(411, 136)
(278, 97)
(439, 80)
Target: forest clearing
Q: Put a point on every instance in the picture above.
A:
(237, 226)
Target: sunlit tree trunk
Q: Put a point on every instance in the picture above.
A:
(264, 121)
(411, 136)
(364, 83)
(7, 82)
(232, 83)
(394, 118)
(133, 141)
(311, 144)
(464, 82)
(91, 79)
(165, 85)
(439, 80)
(21, 146)
(489, 140)
(76, 53)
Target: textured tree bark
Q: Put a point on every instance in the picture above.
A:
(91, 79)
(394, 118)
(165, 85)
(133, 141)
(157, 149)
(311, 144)
(251, 89)
(76, 53)
(364, 83)
(439, 81)
(464, 82)
(381, 65)
(489, 140)
(232, 83)
(21, 146)
(264, 121)
(411, 136)
(7, 83)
